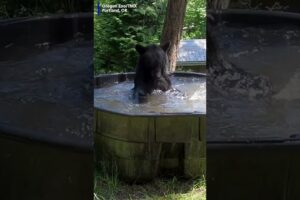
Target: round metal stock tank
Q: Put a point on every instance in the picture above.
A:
(144, 146)
(40, 96)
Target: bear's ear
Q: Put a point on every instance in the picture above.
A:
(166, 46)
(139, 48)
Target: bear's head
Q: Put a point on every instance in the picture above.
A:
(153, 59)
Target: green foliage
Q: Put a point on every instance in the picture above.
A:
(195, 20)
(116, 34)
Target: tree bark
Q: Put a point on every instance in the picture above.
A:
(172, 30)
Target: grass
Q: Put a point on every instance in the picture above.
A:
(109, 187)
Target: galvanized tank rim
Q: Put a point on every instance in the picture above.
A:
(250, 15)
(45, 17)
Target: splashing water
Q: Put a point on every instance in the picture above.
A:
(188, 95)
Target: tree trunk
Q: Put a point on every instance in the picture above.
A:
(172, 29)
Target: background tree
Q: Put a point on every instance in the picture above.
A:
(173, 27)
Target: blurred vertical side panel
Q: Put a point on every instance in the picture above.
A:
(253, 101)
(46, 103)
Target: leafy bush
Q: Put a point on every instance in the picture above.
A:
(195, 20)
(116, 34)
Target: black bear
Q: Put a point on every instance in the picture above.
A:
(151, 71)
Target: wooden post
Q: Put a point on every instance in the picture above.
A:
(173, 26)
